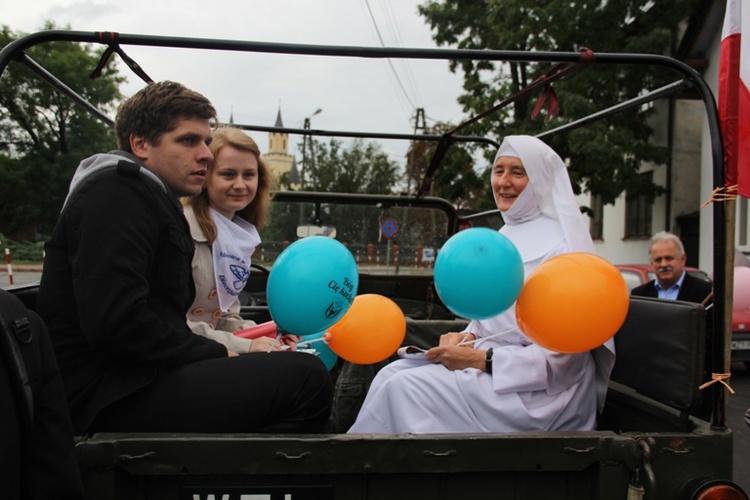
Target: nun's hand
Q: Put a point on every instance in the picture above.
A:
(455, 338)
(456, 357)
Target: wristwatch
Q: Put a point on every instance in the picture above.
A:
(488, 361)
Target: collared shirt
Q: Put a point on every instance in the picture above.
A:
(671, 292)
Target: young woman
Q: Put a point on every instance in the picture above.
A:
(520, 386)
(224, 222)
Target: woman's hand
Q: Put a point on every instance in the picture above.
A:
(289, 342)
(456, 357)
(265, 344)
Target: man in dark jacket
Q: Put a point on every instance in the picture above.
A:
(667, 256)
(117, 284)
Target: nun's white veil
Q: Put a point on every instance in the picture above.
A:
(550, 193)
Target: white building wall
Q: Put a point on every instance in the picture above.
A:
(711, 76)
(685, 188)
(613, 246)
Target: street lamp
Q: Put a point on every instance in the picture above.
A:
(306, 126)
(307, 120)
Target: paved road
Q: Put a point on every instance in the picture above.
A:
(738, 404)
(19, 278)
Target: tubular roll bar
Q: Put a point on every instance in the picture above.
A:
(14, 52)
(368, 135)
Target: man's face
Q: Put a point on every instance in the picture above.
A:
(181, 157)
(667, 262)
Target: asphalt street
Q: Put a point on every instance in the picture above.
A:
(738, 404)
(19, 278)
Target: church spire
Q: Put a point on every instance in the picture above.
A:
(278, 159)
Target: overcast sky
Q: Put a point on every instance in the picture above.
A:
(353, 94)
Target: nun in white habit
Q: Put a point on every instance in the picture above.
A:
(524, 387)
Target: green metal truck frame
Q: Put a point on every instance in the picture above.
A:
(648, 442)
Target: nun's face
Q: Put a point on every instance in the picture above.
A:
(509, 179)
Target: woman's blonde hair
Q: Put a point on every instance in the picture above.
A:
(257, 210)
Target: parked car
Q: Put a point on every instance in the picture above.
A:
(637, 274)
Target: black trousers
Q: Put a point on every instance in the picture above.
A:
(284, 392)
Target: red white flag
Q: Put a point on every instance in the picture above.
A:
(734, 97)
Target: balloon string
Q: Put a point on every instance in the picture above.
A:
(480, 339)
(276, 341)
(306, 342)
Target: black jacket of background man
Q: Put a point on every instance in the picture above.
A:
(692, 289)
(116, 286)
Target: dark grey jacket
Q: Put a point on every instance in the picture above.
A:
(116, 287)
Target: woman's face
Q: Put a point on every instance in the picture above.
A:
(232, 180)
(509, 179)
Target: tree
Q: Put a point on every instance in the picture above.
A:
(455, 179)
(363, 168)
(44, 135)
(603, 157)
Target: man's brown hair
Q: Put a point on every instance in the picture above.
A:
(155, 110)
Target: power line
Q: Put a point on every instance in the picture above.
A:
(403, 63)
(390, 63)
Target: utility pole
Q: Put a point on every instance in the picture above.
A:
(417, 125)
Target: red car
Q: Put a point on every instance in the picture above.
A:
(637, 274)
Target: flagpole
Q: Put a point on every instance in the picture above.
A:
(720, 392)
(725, 176)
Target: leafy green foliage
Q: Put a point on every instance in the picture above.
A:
(21, 250)
(362, 168)
(455, 179)
(603, 157)
(44, 135)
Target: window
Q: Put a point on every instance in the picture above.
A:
(638, 213)
(596, 226)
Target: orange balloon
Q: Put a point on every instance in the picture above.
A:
(573, 302)
(371, 330)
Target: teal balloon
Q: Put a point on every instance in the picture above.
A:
(320, 349)
(478, 273)
(311, 285)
